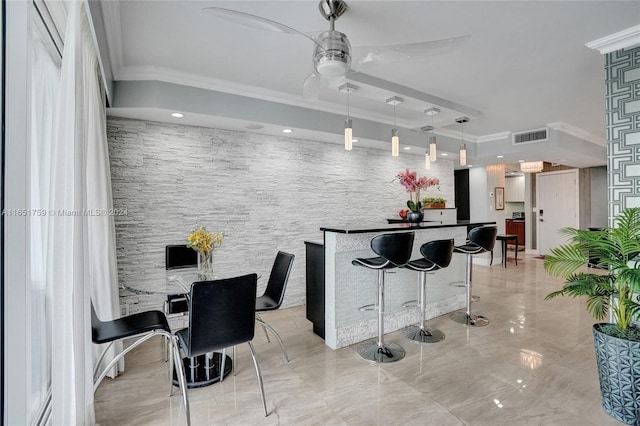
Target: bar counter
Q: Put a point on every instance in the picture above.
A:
(347, 287)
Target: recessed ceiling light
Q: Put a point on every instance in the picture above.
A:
(287, 130)
(500, 156)
(520, 161)
(444, 154)
(469, 165)
(407, 147)
(354, 140)
(177, 115)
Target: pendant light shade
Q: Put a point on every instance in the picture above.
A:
(348, 135)
(395, 139)
(463, 146)
(427, 161)
(348, 124)
(395, 143)
(432, 148)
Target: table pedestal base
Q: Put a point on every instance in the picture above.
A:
(200, 374)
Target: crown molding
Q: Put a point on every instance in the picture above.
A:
(620, 40)
(577, 132)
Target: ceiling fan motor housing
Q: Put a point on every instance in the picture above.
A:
(332, 54)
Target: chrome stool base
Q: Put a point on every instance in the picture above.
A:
(388, 352)
(469, 319)
(423, 335)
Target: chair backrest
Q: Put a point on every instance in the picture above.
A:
(395, 247)
(439, 252)
(279, 276)
(222, 313)
(179, 256)
(484, 236)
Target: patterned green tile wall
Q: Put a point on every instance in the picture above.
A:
(623, 129)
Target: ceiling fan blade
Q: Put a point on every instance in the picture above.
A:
(364, 56)
(253, 21)
(311, 87)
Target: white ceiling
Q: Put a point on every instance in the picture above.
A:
(524, 66)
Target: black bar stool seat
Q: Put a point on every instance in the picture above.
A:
(435, 255)
(393, 250)
(479, 240)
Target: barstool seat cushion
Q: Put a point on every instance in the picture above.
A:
(373, 262)
(421, 265)
(468, 248)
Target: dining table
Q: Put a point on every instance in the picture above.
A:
(202, 370)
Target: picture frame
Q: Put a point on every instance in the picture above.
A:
(499, 194)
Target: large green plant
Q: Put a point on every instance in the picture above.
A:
(616, 251)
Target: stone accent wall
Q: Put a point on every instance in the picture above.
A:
(623, 129)
(266, 193)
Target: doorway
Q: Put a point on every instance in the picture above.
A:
(557, 205)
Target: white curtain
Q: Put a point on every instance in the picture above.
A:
(81, 247)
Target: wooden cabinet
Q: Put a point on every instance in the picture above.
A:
(514, 189)
(515, 227)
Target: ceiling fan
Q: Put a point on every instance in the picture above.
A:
(333, 56)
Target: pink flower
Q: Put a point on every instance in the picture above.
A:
(413, 184)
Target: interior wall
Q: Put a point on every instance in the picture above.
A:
(622, 69)
(266, 193)
(598, 197)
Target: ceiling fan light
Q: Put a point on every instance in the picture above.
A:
(332, 54)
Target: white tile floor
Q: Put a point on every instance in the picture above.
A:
(533, 365)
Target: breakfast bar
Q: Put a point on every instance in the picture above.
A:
(334, 311)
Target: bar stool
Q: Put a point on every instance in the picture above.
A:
(393, 250)
(435, 255)
(479, 240)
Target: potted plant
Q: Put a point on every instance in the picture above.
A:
(413, 184)
(434, 202)
(204, 242)
(611, 289)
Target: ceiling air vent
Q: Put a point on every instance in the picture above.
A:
(531, 136)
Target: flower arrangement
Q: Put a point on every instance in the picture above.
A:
(413, 185)
(204, 241)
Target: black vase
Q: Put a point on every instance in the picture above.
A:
(415, 217)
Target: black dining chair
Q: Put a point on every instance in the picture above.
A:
(222, 314)
(178, 256)
(144, 326)
(273, 295)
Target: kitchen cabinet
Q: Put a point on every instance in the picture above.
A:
(514, 189)
(516, 227)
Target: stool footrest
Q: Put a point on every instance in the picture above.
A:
(457, 284)
(371, 307)
(410, 304)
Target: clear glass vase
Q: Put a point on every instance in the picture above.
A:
(205, 265)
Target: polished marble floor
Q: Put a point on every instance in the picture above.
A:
(533, 365)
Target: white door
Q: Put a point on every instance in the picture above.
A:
(557, 203)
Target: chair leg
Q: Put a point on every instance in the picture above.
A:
(421, 333)
(257, 367)
(100, 358)
(275, 333)
(223, 360)
(467, 317)
(182, 379)
(264, 328)
(381, 352)
(233, 361)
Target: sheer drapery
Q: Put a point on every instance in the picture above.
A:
(45, 81)
(81, 245)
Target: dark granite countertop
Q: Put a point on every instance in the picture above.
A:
(360, 228)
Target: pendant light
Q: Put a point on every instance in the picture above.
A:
(395, 138)
(348, 124)
(427, 154)
(463, 146)
(433, 154)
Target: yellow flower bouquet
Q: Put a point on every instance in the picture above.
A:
(204, 242)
